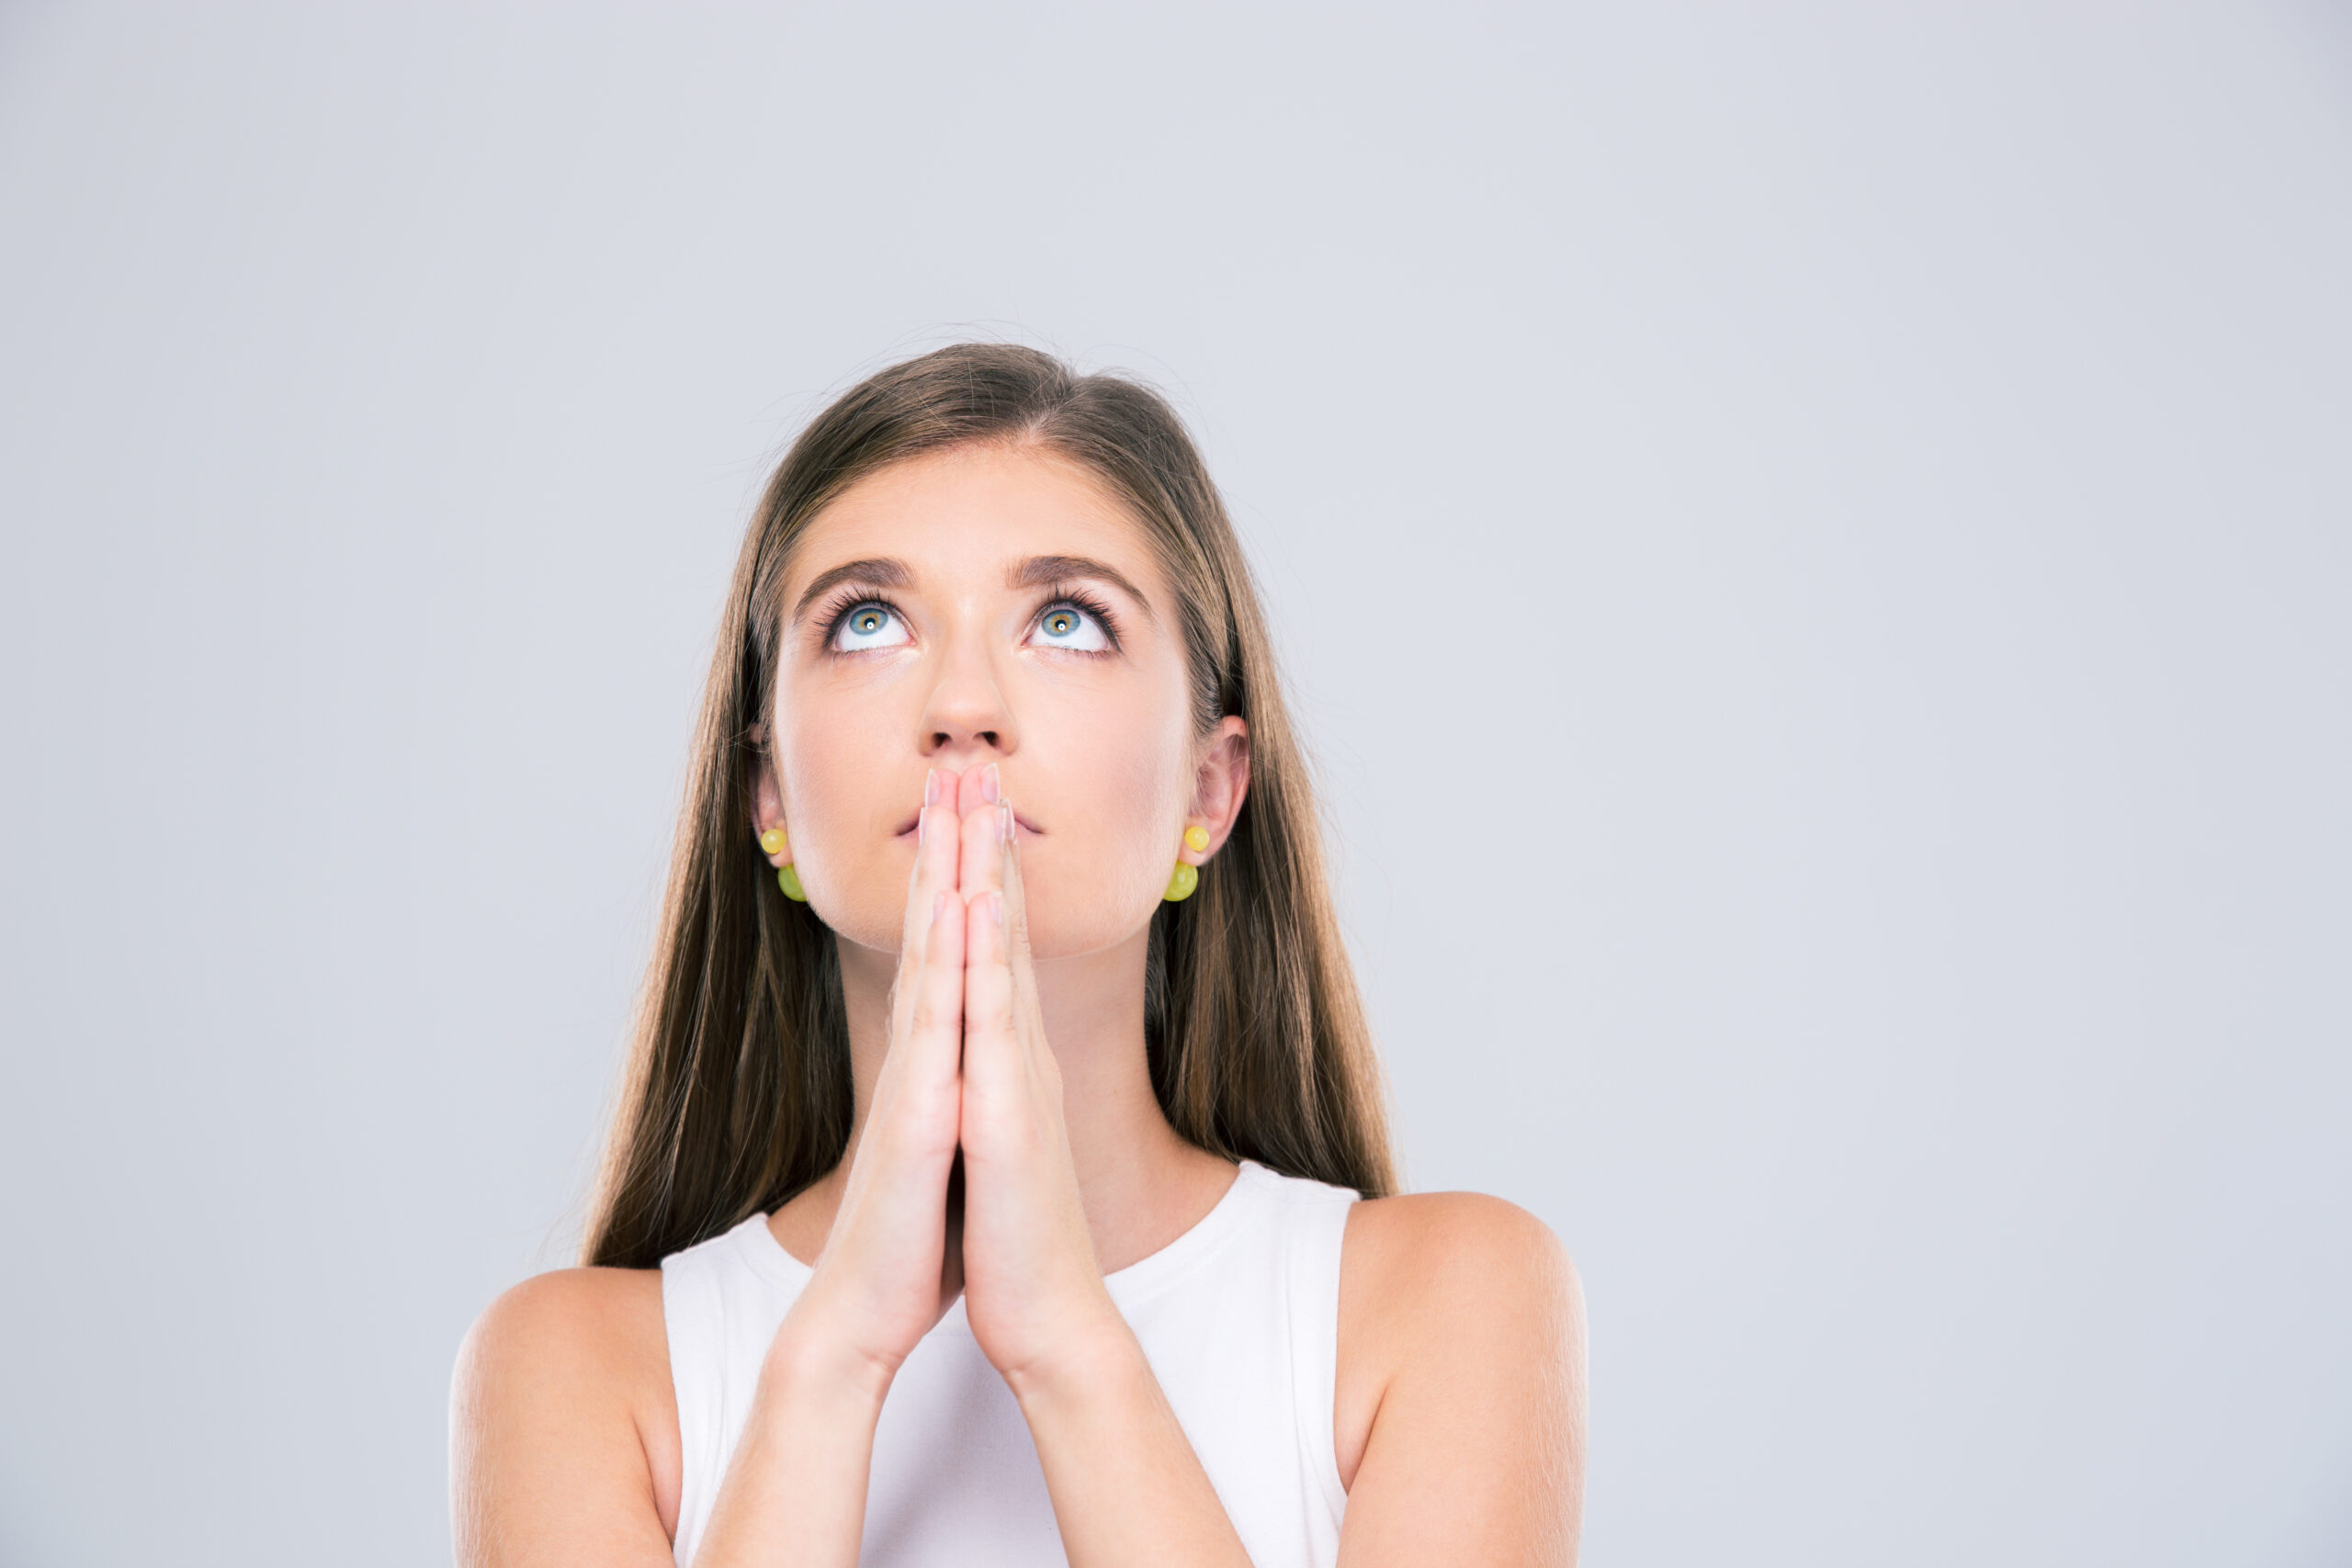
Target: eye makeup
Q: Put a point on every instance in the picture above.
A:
(1062, 596)
(853, 601)
(842, 609)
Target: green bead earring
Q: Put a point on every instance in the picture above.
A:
(1187, 877)
(773, 842)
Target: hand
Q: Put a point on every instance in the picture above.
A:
(1033, 1290)
(890, 1267)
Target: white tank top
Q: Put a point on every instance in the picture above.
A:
(1239, 1317)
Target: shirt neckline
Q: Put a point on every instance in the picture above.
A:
(1129, 1287)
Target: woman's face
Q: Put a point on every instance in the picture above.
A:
(990, 605)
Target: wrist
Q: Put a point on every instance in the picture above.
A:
(809, 1364)
(1100, 1356)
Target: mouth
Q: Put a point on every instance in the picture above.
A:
(906, 830)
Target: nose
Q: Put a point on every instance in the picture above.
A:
(966, 720)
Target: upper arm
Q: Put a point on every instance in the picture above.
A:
(1463, 1385)
(557, 1437)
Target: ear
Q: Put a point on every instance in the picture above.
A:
(1220, 784)
(767, 796)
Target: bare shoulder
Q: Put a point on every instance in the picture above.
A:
(1426, 1250)
(572, 1328)
(562, 1407)
(1458, 1418)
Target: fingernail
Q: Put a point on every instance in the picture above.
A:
(931, 787)
(990, 788)
(996, 908)
(1004, 823)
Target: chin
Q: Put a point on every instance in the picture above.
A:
(859, 917)
(1074, 928)
(1065, 921)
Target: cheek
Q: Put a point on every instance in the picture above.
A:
(842, 804)
(1119, 791)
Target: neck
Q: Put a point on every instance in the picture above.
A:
(1142, 1185)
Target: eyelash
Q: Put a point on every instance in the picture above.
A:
(843, 604)
(1079, 599)
(854, 599)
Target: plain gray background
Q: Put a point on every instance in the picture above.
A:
(1812, 543)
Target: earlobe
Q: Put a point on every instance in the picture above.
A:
(776, 842)
(1219, 788)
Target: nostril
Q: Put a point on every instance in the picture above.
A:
(975, 740)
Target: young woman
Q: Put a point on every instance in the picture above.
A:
(1002, 1175)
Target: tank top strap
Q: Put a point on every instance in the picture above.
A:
(1314, 1225)
(721, 1302)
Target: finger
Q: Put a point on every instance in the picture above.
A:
(937, 851)
(1016, 915)
(989, 995)
(1029, 1019)
(982, 866)
(915, 1092)
(977, 786)
(912, 1129)
(1016, 891)
(934, 1025)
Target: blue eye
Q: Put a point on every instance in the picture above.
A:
(869, 624)
(1065, 624)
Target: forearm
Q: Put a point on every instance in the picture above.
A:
(793, 1496)
(1124, 1481)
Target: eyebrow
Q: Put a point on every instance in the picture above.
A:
(881, 572)
(1044, 572)
(1037, 572)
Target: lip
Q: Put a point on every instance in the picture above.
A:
(906, 830)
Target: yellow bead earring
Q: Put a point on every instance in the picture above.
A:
(1187, 877)
(773, 842)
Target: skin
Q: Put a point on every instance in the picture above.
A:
(984, 787)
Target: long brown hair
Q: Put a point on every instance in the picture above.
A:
(738, 1088)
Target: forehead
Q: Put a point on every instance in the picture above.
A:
(972, 511)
